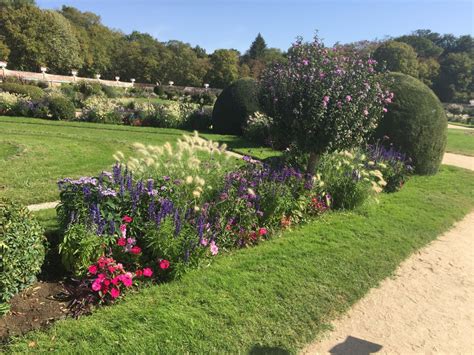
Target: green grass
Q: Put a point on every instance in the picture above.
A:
(35, 153)
(460, 141)
(279, 295)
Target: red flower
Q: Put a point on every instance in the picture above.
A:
(127, 219)
(228, 227)
(111, 269)
(139, 272)
(122, 242)
(136, 250)
(262, 231)
(92, 269)
(115, 280)
(164, 264)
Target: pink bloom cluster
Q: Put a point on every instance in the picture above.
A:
(128, 244)
(109, 277)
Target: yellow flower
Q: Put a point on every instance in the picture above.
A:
(189, 180)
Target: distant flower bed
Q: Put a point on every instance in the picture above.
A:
(170, 208)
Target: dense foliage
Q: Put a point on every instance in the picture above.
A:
(31, 91)
(21, 249)
(323, 100)
(398, 57)
(416, 123)
(234, 105)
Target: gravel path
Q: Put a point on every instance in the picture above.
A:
(453, 126)
(427, 308)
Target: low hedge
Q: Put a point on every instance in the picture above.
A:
(32, 91)
(21, 248)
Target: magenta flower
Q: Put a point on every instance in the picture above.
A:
(96, 285)
(114, 292)
(92, 269)
(123, 229)
(147, 272)
(305, 61)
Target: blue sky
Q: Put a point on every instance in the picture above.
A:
(234, 23)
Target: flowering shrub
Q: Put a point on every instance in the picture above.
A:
(323, 100)
(395, 166)
(257, 128)
(101, 109)
(350, 178)
(8, 102)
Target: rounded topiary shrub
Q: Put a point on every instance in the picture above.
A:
(61, 108)
(234, 105)
(21, 248)
(415, 123)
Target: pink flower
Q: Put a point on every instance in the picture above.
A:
(305, 62)
(136, 250)
(126, 279)
(101, 277)
(326, 99)
(322, 75)
(204, 242)
(348, 98)
(147, 272)
(213, 248)
(366, 112)
(96, 286)
(114, 292)
(92, 269)
(115, 280)
(384, 109)
(123, 229)
(127, 219)
(164, 264)
(262, 231)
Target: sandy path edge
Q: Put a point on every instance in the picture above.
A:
(427, 308)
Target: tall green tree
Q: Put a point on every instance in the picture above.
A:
(423, 46)
(99, 44)
(36, 38)
(224, 68)
(398, 57)
(4, 50)
(455, 80)
(257, 48)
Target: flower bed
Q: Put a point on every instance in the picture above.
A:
(168, 209)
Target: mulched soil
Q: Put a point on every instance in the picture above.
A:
(36, 307)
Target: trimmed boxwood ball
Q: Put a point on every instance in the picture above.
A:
(415, 123)
(234, 105)
(21, 248)
(61, 108)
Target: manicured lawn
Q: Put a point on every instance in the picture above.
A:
(460, 141)
(35, 153)
(279, 295)
(461, 124)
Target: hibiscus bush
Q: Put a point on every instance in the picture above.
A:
(323, 100)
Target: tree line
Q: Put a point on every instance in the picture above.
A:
(68, 39)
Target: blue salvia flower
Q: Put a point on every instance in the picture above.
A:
(177, 223)
(117, 172)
